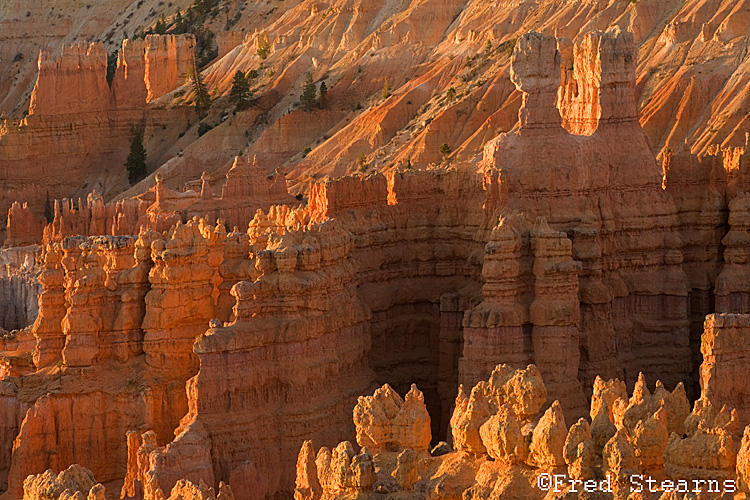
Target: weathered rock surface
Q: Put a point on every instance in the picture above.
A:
(565, 251)
(524, 169)
(708, 454)
(74, 482)
(386, 422)
(725, 354)
(85, 132)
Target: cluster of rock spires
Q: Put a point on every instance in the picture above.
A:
(504, 448)
(245, 189)
(576, 253)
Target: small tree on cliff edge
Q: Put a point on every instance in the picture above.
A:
(264, 47)
(309, 93)
(202, 97)
(323, 93)
(136, 162)
(240, 93)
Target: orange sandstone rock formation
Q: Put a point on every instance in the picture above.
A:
(168, 59)
(542, 446)
(587, 194)
(724, 349)
(571, 250)
(73, 482)
(85, 132)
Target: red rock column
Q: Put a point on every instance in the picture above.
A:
(182, 298)
(84, 321)
(23, 228)
(292, 364)
(168, 58)
(725, 346)
(555, 315)
(697, 187)
(47, 329)
(597, 336)
(494, 330)
(535, 70)
(237, 266)
(733, 282)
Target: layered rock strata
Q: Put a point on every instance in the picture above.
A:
(303, 301)
(246, 189)
(168, 60)
(565, 251)
(594, 191)
(726, 354)
(90, 127)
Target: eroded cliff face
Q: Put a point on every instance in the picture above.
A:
(566, 246)
(447, 86)
(78, 123)
(28, 28)
(689, 57)
(725, 355)
(595, 194)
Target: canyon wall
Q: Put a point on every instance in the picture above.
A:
(576, 253)
(726, 355)
(78, 123)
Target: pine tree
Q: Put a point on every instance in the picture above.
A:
(445, 150)
(202, 97)
(451, 94)
(264, 46)
(161, 26)
(386, 90)
(362, 162)
(136, 162)
(323, 93)
(240, 93)
(111, 66)
(309, 93)
(179, 25)
(488, 49)
(48, 213)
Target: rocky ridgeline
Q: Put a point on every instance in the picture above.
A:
(503, 447)
(246, 189)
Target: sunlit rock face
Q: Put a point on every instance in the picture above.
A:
(207, 328)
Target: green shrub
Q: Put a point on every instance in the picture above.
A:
(264, 47)
(136, 161)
